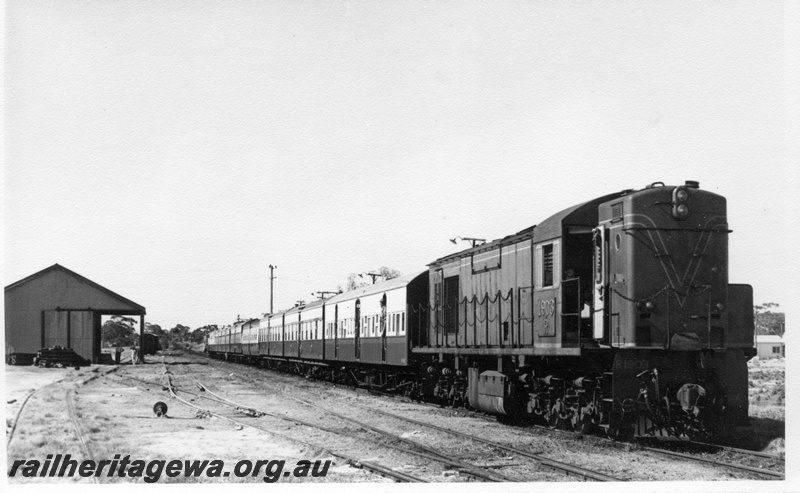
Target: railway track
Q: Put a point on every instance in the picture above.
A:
(73, 416)
(739, 455)
(424, 451)
(22, 407)
(750, 453)
(555, 465)
(355, 462)
(421, 451)
(697, 458)
(16, 417)
(735, 464)
(690, 457)
(70, 406)
(563, 467)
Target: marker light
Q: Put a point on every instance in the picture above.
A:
(720, 306)
(680, 197)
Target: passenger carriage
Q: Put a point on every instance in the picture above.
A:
(370, 324)
(249, 338)
(312, 322)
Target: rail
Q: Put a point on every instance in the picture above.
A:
(376, 468)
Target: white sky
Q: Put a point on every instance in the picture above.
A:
(171, 151)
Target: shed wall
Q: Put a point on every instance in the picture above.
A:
(24, 305)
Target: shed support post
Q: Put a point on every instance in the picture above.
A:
(140, 352)
(69, 329)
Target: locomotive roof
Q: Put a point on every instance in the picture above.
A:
(584, 214)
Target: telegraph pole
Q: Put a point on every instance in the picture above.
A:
(321, 294)
(373, 275)
(271, 289)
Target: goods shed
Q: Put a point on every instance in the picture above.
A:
(57, 306)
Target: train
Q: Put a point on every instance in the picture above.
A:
(614, 315)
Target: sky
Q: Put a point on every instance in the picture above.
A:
(172, 151)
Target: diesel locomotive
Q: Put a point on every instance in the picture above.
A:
(615, 315)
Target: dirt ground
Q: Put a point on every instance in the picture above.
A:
(768, 403)
(115, 414)
(22, 380)
(116, 417)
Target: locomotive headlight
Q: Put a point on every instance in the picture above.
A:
(720, 306)
(649, 306)
(682, 210)
(681, 195)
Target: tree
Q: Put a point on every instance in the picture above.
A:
(767, 321)
(205, 330)
(179, 333)
(119, 331)
(389, 273)
(355, 281)
(153, 329)
(199, 334)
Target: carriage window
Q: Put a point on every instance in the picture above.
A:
(547, 265)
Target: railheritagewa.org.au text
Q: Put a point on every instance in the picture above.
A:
(151, 471)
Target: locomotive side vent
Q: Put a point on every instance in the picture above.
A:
(616, 210)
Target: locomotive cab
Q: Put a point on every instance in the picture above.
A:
(663, 300)
(661, 272)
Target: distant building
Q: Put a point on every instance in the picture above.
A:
(56, 306)
(770, 346)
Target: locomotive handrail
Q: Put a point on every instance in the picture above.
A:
(686, 294)
(639, 300)
(695, 230)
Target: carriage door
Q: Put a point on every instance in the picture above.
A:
(336, 332)
(358, 330)
(600, 282)
(383, 328)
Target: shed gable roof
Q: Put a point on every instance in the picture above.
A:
(57, 267)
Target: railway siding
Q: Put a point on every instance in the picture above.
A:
(619, 460)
